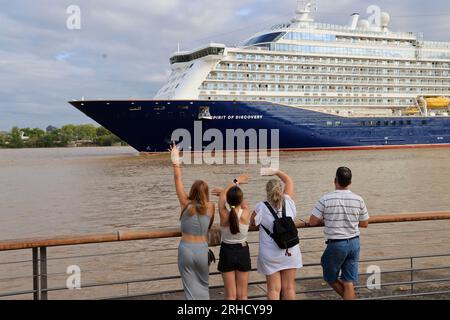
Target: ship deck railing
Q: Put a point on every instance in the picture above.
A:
(420, 276)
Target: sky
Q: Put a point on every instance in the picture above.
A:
(122, 48)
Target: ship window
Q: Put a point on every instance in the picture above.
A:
(363, 124)
(329, 124)
(338, 123)
(424, 122)
(408, 122)
(386, 123)
(270, 37)
(197, 55)
(401, 122)
(393, 123)
(378, 123)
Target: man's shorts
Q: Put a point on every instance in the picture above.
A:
(341, 257)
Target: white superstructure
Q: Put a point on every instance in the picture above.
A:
(354, 69)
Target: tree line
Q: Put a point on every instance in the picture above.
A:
(68, 135)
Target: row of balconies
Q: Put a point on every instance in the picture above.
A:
(325, 70)
(330, 89)
(333, 80)
(336, 61)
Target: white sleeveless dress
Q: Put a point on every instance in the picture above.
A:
(271, 258)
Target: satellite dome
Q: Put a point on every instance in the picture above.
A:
(364, 24)
(385, 19)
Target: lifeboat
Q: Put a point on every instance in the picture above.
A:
(437, 102)
(412, 111)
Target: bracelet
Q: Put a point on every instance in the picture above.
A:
(177, 165)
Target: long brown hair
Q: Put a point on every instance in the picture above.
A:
(235, 196)
(199, 198)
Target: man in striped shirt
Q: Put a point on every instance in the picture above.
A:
(342, 213)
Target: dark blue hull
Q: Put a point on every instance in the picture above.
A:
(148, 125)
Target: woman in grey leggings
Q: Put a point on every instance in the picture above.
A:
(197, 217)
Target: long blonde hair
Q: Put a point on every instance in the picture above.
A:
(199, 198)
(275, 193)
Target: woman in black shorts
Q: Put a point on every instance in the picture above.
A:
(234, 263)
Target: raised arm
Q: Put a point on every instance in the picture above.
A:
(181, 193)
(223, 211)
(222, 193)
(288, 182)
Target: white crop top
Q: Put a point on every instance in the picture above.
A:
(241, 237)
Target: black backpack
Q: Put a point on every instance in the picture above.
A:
(285, 233)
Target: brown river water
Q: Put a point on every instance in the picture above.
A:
(60, 191)
(47, 192)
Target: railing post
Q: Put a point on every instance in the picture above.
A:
(412, 275)
(36, 274)
(43, 273)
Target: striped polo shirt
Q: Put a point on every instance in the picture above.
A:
(341, 211)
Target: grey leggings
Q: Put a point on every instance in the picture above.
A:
(194, 269)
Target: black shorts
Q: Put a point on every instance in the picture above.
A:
(234, 257)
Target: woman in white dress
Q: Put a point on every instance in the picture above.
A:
(279, 267)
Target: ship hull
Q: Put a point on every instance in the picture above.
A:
(148, 125)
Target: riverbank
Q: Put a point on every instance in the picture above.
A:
(67, 136)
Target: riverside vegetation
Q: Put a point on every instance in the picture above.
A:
(66, 136)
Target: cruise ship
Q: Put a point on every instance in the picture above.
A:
(322, 86)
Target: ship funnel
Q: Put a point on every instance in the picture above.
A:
(354, 18)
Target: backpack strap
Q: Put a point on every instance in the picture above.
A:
(267, 231)
(274, 214)
(272, 211)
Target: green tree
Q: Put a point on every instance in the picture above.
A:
(33, 136)
(16, 138)
(102, 131)
(68, 132)
(38, 138)
(3, 140)
(86, 132)
(52, 139)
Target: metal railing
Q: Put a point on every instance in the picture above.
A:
(40, 274)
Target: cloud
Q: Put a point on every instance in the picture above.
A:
(63, 56)
(123, 47)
